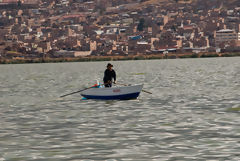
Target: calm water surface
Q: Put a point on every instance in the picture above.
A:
(193, 113)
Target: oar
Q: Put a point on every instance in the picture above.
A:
(146, 91)
(142, 89)
(78, 91)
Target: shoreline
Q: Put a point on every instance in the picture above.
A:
(116, 58)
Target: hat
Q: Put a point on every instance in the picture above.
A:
(109, 65)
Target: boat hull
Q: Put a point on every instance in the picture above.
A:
(115, 93)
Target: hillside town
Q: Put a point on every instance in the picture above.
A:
(80, 28)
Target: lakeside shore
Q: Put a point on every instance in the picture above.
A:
(116, 58)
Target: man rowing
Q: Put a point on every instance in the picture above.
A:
(109, 75)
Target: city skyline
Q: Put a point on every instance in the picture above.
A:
(75, 28)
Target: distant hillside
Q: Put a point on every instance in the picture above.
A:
(218, 3)
(197, 3)
(17, 1)
(200, 3)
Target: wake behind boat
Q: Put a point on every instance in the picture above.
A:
(114, 93)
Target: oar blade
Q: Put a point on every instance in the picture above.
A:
(147, 92)
(70, 94)
(77, 91)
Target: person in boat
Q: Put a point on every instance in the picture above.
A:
(109, 75)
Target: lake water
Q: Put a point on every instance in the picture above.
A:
(193, 113)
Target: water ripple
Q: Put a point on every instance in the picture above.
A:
(193, 113)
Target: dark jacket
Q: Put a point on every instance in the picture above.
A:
(109, 75)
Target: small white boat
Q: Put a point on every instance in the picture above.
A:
(119, 93)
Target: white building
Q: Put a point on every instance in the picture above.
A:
(65, 53)
(226, 35)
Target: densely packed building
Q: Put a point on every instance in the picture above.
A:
(58, 28)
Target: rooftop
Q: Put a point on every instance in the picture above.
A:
(225, 31)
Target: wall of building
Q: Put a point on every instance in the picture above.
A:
(226, 35)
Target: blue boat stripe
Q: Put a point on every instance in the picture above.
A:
(119, 97)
